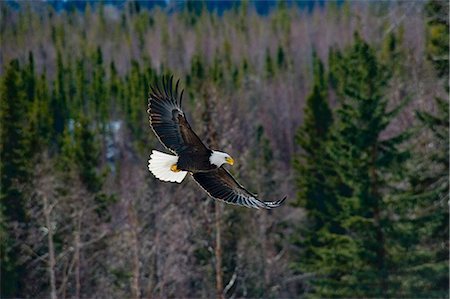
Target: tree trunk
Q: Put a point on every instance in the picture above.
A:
(77, 256)
(135, 289)
(218, 250)
(51, 249)
(381, 254)
(264, 250)
(211, 134)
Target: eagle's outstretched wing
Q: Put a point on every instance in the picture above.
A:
(168, 121)
(219, 184)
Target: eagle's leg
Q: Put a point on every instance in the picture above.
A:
(174, 168)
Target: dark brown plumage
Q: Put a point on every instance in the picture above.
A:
(219, 184)
(192, 156)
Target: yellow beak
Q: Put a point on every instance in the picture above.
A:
(229, 160)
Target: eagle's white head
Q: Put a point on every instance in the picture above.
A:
(218, 158)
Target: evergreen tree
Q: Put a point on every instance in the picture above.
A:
(114, 81)
(59, 99)
(269, 67)
(14, 172)
(281, 58)
(87, 157)
(29, 78)
(80, 155)
(40, 121)
(429, 276)
(428, 218)
(438, 36)
(137, 93)
(197, 72)
(311, 137)
(216, 71)
(98, 90)
(315, 180)
(372, 168)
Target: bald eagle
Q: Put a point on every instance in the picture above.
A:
(191, 156)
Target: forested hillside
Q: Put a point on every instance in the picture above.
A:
(343, 107)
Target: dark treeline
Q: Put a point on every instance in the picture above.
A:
(343, 108)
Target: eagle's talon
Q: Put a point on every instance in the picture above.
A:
(174, 168)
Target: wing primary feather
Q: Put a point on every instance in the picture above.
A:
(181, 97)
(170, 86)
(154, 95)
(220, 185)
(176, 88)
(164, 85)
(173, 132)
(274, 204)
(160, 94)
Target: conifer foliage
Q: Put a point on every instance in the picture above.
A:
(314, 174)
(14, 169)
(430, 170)
(369, 164)
(360, 238)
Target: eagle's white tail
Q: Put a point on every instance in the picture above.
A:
(160, 164)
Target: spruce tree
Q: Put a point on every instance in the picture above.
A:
(315, 181)
(80, 89)
(87, 155)
(14, 171)
(312, 135)
(281, 58)
(269, 66)
(429, 276)
(40, 122)
(60, 112)
(373, 168)
(428, 219)
(80, 156)
(29, 78)
(98, 90)
(87, 159)
(438, 36)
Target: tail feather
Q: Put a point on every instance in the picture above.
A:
(160, 163)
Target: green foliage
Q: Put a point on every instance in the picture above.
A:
(40, 121)
(86, 155)
(429, 179)
(351, 244)
(98, 91)
(363, 161)
(282, 20)
(59, 109)
(80, 156)
(216, 71)
(438, 36)
(312, 136)
(281, 58)
(14, 146)
(315, 179)
(428, 209)
(13, 170)
(197, 68)
(269, 65)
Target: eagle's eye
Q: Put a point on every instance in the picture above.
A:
(229, 160)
